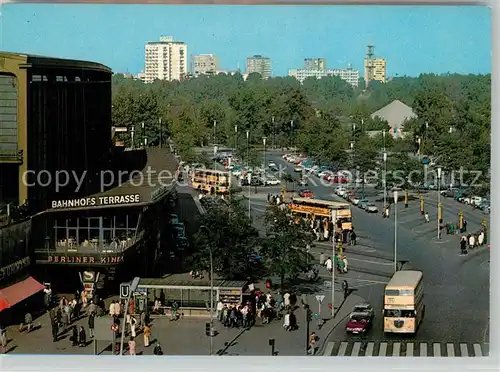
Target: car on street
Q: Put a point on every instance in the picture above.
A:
(473, 200)
(360, 320)
(362, 203)
(272, 181)
(297, 169)
(305, 193)
(371, 208)
(449, 193)
(271, 164)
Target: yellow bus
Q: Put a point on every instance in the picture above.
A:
(334, 211)
(211, 181)
(404, 306)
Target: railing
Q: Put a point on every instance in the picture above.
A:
(96, 246)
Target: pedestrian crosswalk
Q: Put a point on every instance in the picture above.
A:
(405, 349)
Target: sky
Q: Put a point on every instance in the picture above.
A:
(414, 40)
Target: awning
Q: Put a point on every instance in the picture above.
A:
(18, 292)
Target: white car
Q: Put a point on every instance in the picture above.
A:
(371, 208)
(297, 169)
(355, 201)
(339, 190)
(271, 164)
(473, 200)
(271, 181)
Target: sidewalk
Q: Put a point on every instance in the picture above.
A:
(255, 342)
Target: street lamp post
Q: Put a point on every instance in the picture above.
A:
(333, 276)
(214, 144)
(439, 203)
(291, 135)
(132, 289)
(385, 179)
(264, 143)
(274, 133)
(132, 133)
(143, 130)
(211, 312)
(395, 230)
(235, 138)
(249, 176)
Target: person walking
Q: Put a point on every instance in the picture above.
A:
(312, 344)
(463, 246)
(147, 335)
(426, 216)
(322, 259)
(82, 337)
(91, 325)
(28, 322)
(329, 264)
(131, 346)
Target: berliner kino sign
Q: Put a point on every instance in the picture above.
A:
(96, 201)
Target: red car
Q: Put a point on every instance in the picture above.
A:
(340, 179)
(305, 193)
(360, 319)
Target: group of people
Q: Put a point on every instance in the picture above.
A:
(339, 261)
(471, 241)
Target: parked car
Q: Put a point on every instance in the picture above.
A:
(303, 181)
(271, 164)
(473, 200)
(305, 193)
(371, 208)
(298, 169)
(360, 319)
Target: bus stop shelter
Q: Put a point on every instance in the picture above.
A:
(191, 294)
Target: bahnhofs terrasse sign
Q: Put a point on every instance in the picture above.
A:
(96, 201)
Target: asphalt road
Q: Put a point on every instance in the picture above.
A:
(457, 287)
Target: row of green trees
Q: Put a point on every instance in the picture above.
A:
(235, 244)
(453, 116)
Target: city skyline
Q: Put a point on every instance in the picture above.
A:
(412, 39)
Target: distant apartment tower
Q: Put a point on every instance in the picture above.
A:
(259, 64)
(375, 68)
(165, 60)
(348, 74)
(204, 64)
(315, 64)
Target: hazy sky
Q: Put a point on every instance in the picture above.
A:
(414, 39)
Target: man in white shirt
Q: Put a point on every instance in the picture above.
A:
(329, 264)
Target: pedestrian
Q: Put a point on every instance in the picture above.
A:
(427, 219)
(64, 320)
(28, 322)
(472, 241)
(480, 238)
(133, 325)
(353, 237)
(147, 335)
(91, 325)
(463, 245)
(286, 299)
(322, 259)
(82, 337)
(157, 350)
(55, 329)
(74, 336)
(286, 321)
(131, 346)
(329, 264)
(293, 322)
(220, 306)
(312, 343)
(344, 261)
(268, 197)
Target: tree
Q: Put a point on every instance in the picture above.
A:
(284, 248)
(364, 157)
(229, 235)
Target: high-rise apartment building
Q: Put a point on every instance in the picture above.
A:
(348, 74)
(204, 64)
(259, 64)
(165, 60)
(375, 68)
(315, 64)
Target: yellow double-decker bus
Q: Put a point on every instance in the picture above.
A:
(211, 181)
(404, 306)
(334, 211)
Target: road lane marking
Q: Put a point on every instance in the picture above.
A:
(343, 349)
(477, 350)
(369, 349)
(464, 351)
(371, 262)
(396, 349)
(409, 350)
(437, 350)
(382, 351)
(355, 349)
(450, 350)
(423, 349)
(329, 349)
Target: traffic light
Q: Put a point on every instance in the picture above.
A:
(309, 314)
(208, 330)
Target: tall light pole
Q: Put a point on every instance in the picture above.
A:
(214, 144)
(132, 132)
(385, 180)
(291, 136)
(264, 143)
(395, 230)
(143, 131)
(439, 203)
(161, 133)
(249, 175)
(333, 276)
(235, 138)
(274, 133)
(215, 129)
(211, 313)
(132, 288)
